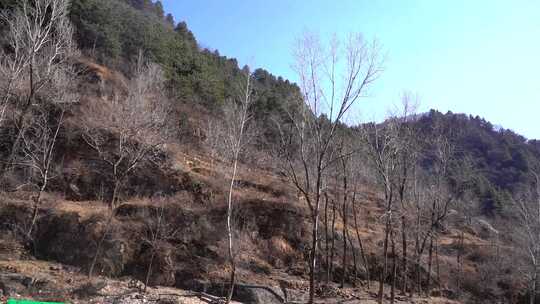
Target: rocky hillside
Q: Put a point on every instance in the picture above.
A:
(115, 177)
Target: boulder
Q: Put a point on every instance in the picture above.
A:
(259, 295)
(244, 293)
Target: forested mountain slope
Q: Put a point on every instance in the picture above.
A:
(500, 162)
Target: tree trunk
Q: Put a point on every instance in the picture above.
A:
(327, 243)
(394, 270)
(417, 255)
(100, 243)
(460, 263)
(344, 260)
(437, 264)
(313, 258)
(344, 211)
(536, 282)
(114, 198)
(430, 259)
(232, 282)
(405, 268)
(355, 264)
(534, 286)
(6, 98)
(333, 245)
(532, 294)
(382, 276)
(362, 252)
(35, 212)
(48, 155)
(231, 257)
(149, 271)
(112, 210)
(418, 274)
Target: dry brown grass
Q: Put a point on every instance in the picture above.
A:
(85, 209)
(102, 72)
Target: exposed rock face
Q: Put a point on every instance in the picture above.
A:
(194, 250)
(257, 295)
(68, 239)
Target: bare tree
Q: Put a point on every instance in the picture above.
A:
(439, 193)
(158, 229)
(528, 236)
(382, 141)
(422, 226)
(237, 117)
(332, 249)
(40, 124)
(357, 163)
(345, 176)
(464, 181)
(155, 235)
(345, 168)
(330, 85)
(127, 129)
(359, 240)
(326, 238)
(40, 38)
(228, 139)
(39, 140)
(407, 161)
(393, 151)
(432, 199)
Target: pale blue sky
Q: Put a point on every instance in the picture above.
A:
(478, 57)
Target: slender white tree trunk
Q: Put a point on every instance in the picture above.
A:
(231, 257)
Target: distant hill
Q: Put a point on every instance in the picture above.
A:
(501, 159)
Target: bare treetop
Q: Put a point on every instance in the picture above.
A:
(333, 78)
(138, 116)
(40, 35)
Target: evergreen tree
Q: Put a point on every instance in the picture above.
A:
(170, 20)
(158, 8)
